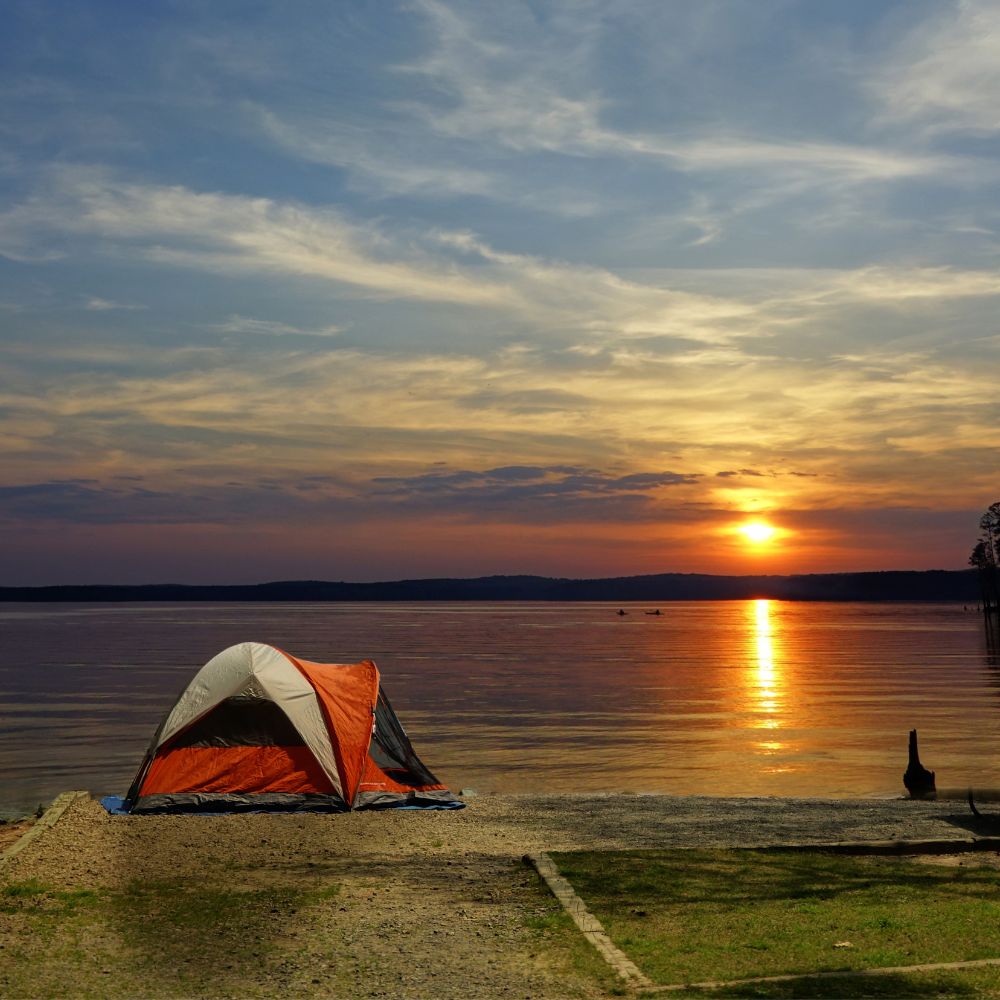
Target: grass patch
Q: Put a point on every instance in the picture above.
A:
(35, 898)
(553, 934)
(178, 908)
(689, 916)
(169, 938)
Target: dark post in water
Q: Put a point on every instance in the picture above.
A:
(918, 780)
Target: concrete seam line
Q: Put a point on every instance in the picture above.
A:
(839, 974)
(48, 820)
(591, 928)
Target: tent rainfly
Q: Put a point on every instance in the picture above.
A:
(260, 730)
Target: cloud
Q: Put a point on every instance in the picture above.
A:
(898, 284)
(523, 88)
(880, 421)
(123, 500)
(514, 493)
(240, 235)
(96, 304)
(540, 111)
(373, 157)
(230, 233)
(533, 492)
(526, 401)
(84, 501)
(10, 249)
(400, 160)
(272, 328)
(944, 72)
(498, 262)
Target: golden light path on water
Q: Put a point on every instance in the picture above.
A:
(768, 689)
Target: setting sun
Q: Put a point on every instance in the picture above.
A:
(757, 532)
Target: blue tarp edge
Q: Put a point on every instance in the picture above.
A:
(114, 804)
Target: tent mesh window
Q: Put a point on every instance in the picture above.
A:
(241, 722)
(392, 751)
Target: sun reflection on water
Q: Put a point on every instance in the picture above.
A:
(766, 687)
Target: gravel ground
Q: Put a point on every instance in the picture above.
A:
(11, 831)
(431, 904)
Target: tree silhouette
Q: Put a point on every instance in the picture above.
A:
(986, 558)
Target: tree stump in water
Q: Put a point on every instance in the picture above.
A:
(918, 780)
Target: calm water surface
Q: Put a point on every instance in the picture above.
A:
(717, 698)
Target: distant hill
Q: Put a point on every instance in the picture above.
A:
(894, 585)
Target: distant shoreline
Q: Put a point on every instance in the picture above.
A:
(887, 585)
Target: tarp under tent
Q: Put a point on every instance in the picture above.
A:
(258, 730)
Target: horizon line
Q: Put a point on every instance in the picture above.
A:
(489, 576)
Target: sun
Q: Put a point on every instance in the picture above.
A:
(757, 532)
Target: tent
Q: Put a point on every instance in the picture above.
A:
(260, 730)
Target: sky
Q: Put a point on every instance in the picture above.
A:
(379, 290)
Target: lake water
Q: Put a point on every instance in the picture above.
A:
(716, 698)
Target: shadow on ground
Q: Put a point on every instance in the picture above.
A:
(281, 906)
(948, 984)
(228, 917)
(986, 825)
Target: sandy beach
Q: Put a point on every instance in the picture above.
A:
(429, 904)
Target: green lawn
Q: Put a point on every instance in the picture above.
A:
(688, 916)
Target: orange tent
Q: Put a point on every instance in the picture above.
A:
(259, 730)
